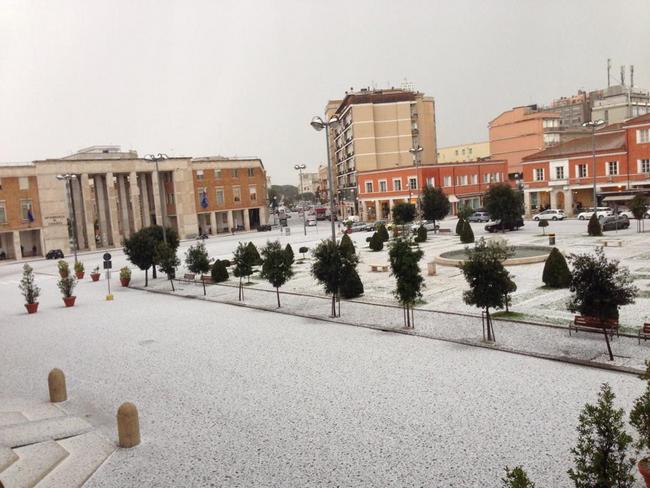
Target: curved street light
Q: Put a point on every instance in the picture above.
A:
(299, 168)
(151, 158)
(319, 124)
(593, 125)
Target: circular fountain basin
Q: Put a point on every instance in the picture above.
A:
(523, 255)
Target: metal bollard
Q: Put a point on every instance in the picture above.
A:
(128, 425)
(56, 385)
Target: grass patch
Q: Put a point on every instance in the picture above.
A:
(509, 315)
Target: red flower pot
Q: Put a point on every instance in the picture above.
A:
(644, 469)
(95, 276)
(63, 274)
(80, 275)
(31, 307)
(125, 281)
(69, 301)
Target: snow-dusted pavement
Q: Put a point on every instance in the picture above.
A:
(236, 397)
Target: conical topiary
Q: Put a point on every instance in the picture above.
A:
(383, 233)
(346, 246)
(421, 235)
(459, 225)
(219, 272)
(255, 258)
(376, 242)
(289, 253)
(466, 233)
(556, 270)
(352, 286)
(594, 228)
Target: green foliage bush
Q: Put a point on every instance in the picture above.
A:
(196, 258)
(517, 478)
(352, 287)
(403, 213)
(383, 233)
(543, 223)
(219, 271)
(556, 270)
(459, 225)
(347, 246)
(376, 242)
(289, 253)
(421, 235)
(303, 250)
(254, 255)
(466, 233)
(593, 227)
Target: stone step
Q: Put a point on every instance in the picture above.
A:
(7, 457)
(87, 453)
(9, 418)
(18, 435)
(33, 464)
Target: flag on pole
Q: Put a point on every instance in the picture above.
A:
(30, 215)
(204, 200)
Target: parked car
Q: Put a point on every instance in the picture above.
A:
(311, 220)
(378, 223)
(628, 213)
(496, 226)
(479, 217)
(615, 222)
(428, 225)
(358, 227)
(263, 228)
(601, 212)
(550, 214)
(54, 254)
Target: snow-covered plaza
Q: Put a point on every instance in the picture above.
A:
(232, 396)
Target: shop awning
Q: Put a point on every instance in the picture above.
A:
(453, 199)
(618, 198)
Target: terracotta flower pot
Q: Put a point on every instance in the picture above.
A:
(69, 301)
(95, 276)
(125, 281)
(31, 307)
(63, 274)
(80, 275)
(644, 469)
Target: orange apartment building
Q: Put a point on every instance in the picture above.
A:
(463, 183)
(20, 216)
(563, 176)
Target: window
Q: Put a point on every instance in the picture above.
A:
(252, 193)
(170, 198)
(469, 151)
(644, 165)
(539, 174)
(447, 181)
(413, 183)
(382, 185)
(463, 180)
(368, 186)
(486, 177)
(612, 168)
(642, 135)
(551, 139)
(456, 152)
(431, 181)
(251, 172)
(397, 185)
(234, 173)
(220, 196)
(559, 173)
(236, 194)
(26, 210)
(581, 171)
(217, 173)
(3, 213)
(199, 174)
(23, 183)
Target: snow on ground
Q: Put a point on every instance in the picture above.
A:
(237, 397)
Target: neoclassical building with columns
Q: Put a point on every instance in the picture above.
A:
(115, 193)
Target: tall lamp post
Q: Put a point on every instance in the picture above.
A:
(163, 206)
(415, 151)
(299, 168)
(593, 125)
(67, 178)
(319, 124)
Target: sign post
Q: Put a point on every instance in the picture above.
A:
(107, 266)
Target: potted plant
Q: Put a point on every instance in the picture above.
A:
(95, 274)
(640, 420)
(125, 276)
(66, 285)
(29, 289)
(79, 270)
(64, 268)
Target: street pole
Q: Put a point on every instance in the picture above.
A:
(416, 154)
(330, 182)
(163, 210)
(300, 167)
(593, 162)
(74, 220)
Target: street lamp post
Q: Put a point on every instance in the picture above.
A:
(319, 124)
(163, 207)
(67, 178)
(299, 168)
(593, 125)
(415, 151)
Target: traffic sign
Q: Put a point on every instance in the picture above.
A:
(107, 256)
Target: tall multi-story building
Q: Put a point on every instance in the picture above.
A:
(116, 193)
(474, 151)
(574, 110)
(309, 182)
(377, 130)
(619, 103)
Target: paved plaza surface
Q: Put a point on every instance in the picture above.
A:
(230, 396)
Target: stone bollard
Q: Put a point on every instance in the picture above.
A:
(431, 268)
(56, 385)
(128, 425)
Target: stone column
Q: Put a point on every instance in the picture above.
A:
(364, 211)
(378, 214)
(102, 209)
(145, 206)
(527, 209)
(391, 204)
(136, 208)
(156, 197)
(88, 213)
(112, 209)
(79, 218)
(553, 199)
(247, 219)
(124, 205)
(264, 215)
(16, 237)
(213, 223)
(231, 222)
(568, 203)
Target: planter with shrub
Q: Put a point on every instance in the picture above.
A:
(79, 270)
(95, 274)
(125, 276)
(64, 268)
(29, 289)
(66, 285)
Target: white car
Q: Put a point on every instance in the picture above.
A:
(601, 212)
(311, 220)
(550, 214)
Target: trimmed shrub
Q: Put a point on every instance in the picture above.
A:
(556, 270)
(376, 242)
(351, 286)
(255, 258)
(543, 223)
(383, 233)
(226, 262)
(466, 233)
(421, 235)
(303, 250)
(219, 272)
(347, 246)
(459, 225)
(593, 228)
(196, 258)
(289, 252)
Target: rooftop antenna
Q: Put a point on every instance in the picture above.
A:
(609, 69)
(631, 76)
(623, 75)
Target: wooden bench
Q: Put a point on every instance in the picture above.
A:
(189, 276)
(375, 268)
(594, 324)
(444, 231)
(644, 332)
(612, 243)
(207, 279)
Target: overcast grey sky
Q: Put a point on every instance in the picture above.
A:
(244, 78)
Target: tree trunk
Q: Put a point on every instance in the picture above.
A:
(241, 290)
(333, 305)
(412, 317)
(488, 323)
(435, 230)
(172, 282)
(277, 291)
(153, 273)
(146, 277)
(609, 347)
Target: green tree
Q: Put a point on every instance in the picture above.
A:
(640, 415)
(638, 207)
(347, 246)
(351, 287)
(403, 213)
(140, 247)
(543, 223)
(466, 233)
(383, 233)
(28, 286)
(489, 281)
(503, 203)
(243, 266)
(196, 258)
(376, 243)
(593, 227)
(599, 288)
(404, 266)
(556, 272)
(516, 478)
(464, 212)
(276, 266)
(600, 456)
(329, 268)
(167, 261)
(460, 224)
(434, 204)
(307, 196)
(421, 235)
(289, 250)
(219, 271)
(255, 258)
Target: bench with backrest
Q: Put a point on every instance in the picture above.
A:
(444, 231)
(644, 332)
(189, 276)
(377, 267)
(594, 324)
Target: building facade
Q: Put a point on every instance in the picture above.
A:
(563, 176)
(309, 182)
(463, 183)
(474, 151)
(377, 130)
(116, 193)
(619, 103)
